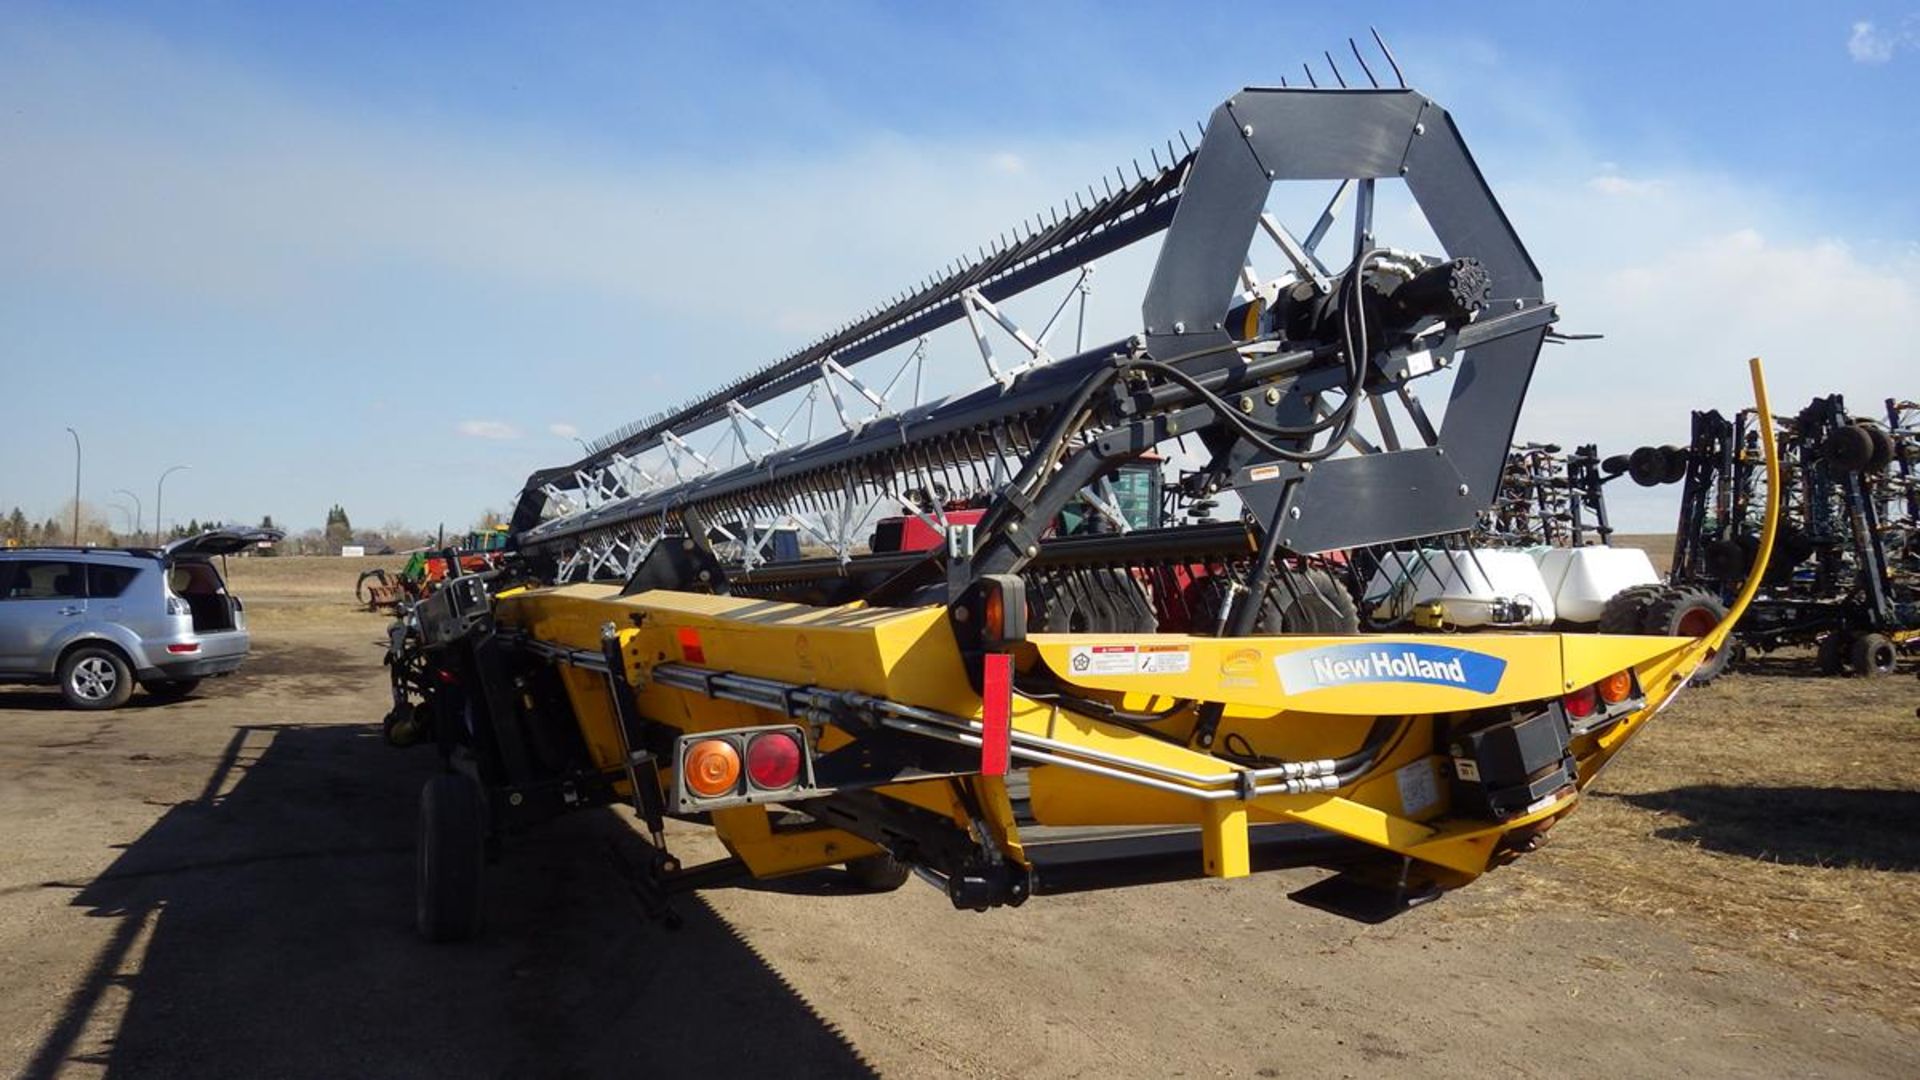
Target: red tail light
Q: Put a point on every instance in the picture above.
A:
(190, 647)
(773, 760)
(1580, 704)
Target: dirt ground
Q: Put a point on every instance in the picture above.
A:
(223, 887)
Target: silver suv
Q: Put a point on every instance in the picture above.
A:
(95, 620)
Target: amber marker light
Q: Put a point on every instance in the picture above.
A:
(1616, 687)
(712, 768)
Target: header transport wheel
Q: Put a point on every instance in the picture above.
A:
(451, 858)
(878, 873)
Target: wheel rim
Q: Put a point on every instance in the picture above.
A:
(94, 679)
(1698, 622)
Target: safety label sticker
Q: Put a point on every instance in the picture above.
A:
(1418, 791)
(1130, 659)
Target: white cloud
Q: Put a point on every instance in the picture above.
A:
(1007, 162)
(488, 429)
(1612, 184)
(565, 431)
(1687, 281)
(1871, 43)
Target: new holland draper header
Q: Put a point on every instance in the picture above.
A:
(947, 635)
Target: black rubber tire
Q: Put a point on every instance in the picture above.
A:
(879, 873)
(1832, 655)
(1646, 465)
(95, 677)
(1679, 612)
(1884, 449)
(1626, 611)
(170, 689)
(1789, 551)
(1310, 601)
(450, 858)
(1848, 448)
(1726, 560)
(1873, 656)
(1673, 465)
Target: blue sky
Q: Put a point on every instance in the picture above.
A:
(387, 256)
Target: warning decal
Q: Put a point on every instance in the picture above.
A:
(1130, 659)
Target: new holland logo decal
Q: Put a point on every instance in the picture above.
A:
(1346, 665)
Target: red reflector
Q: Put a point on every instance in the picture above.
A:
(189, 648)
(996, 714)
(690, 649)
(1579, 704)
(773, 760)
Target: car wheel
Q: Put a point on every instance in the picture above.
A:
(95, 677)
(450, 858)
(878, 873)
(171, 689)
(1873, 656)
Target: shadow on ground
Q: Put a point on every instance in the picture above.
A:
(1806, 826)
(267, 931)
(48, 699)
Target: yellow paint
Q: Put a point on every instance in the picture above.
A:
(748, 833)
(910, 656)
(1223, 841)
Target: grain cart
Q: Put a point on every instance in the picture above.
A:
(920, 710)
(1843, 576)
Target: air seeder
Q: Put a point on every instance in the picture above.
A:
(986, 711)
(1844, 575)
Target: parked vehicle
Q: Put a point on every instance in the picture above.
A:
(94, 621)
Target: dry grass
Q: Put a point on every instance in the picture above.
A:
(1773, 816)
(1658, 546)
(302, 577)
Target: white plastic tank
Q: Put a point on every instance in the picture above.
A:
(1472, 588)
(1583, 579)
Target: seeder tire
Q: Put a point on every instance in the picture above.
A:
(450, 858)
(1675, 612)
(1873, 656)
(1849, 448)
(1646, 465)
(1832, 655)
(1884, 450)
(1626, 611)
(1673, 464)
